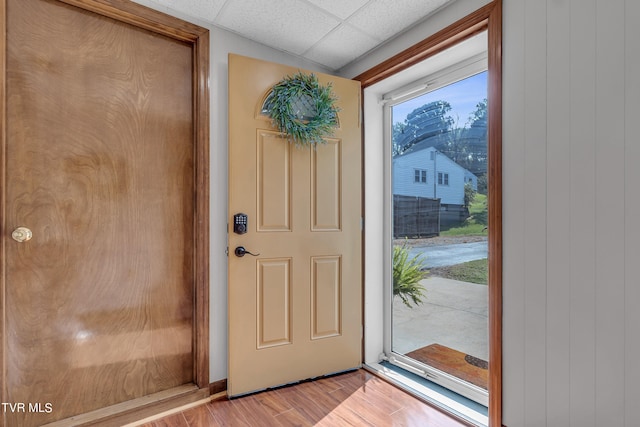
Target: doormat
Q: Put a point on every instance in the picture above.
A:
(453, 362)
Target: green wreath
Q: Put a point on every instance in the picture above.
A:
(285, 109)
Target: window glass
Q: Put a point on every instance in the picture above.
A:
(439, 314)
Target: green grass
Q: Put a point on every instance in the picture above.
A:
(477, 224)
(478, 204)
(472, 272)
(467, 230)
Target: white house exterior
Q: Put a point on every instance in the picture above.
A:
(425, 172)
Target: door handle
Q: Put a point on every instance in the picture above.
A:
(22, 234)
(241, 251)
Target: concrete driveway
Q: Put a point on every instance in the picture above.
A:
(443, 255)
(454, 314)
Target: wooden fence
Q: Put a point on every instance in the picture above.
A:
(415, 217)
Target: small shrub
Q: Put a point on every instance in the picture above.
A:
(407, 274)
(469, 194)
(482, 184)
(478, 210)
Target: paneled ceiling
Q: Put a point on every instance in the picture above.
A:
(332, 33)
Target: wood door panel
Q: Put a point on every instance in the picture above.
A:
(326, 296)
(303, 206)
(326, 186)
(274, 289)
(100, 165)
(274, 183)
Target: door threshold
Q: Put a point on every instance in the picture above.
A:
(448, 401)
(294, 383)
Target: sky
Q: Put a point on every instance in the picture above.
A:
(463, 97)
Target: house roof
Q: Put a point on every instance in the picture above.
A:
(425, 145)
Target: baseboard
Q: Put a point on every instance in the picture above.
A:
(137, 409)
(217, 387)
(168, 413)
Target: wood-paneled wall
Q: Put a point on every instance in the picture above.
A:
(571, 213)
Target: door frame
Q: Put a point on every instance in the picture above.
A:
(488, 18)
(198, 37)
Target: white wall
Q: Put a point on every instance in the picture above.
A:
(571, 291)
(571, 207)
(222, 43)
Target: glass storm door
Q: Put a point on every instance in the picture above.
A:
(439, 313)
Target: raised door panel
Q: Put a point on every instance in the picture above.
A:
(274, 182)
(326, 296)
(274, 326)
(326, 186)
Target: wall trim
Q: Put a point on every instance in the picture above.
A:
(198, 37)
(460, 30)
(219, 386)
(488, 18)
(137, 409)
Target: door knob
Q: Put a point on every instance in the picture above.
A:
(241, 251)
(22, 234)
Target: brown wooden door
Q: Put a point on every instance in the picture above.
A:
(99, 162)
(294, 310)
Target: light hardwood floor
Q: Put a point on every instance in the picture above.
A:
(355, 398)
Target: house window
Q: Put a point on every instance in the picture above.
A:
(443, 178)
(420, 176)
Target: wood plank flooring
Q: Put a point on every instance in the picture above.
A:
(355, 398)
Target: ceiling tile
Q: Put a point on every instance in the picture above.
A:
(206, 10)
(341, 47)
(289, 25)
(383, 19)
(329, 32)
(340, 8)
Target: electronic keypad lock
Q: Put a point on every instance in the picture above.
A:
(240, 223)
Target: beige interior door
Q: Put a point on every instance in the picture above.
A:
(98, 162)
(294, 307)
